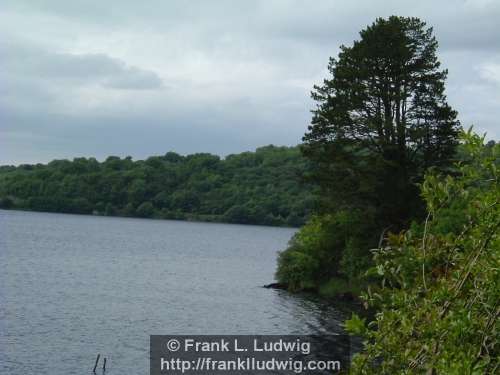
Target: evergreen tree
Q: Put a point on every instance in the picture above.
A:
(381, 120)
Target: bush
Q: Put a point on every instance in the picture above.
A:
(328, 247)
(6, 203)
(237, 214)
(438, 303)
(109, 210)
(145, 209)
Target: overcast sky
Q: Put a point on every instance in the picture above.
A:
(140, 78)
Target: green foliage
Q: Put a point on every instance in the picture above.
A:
(145, 209)
(331, 246)
(261, 187)
(342, 287)
(6, 203)
(356, 325)
(438, 302)
(381, 120)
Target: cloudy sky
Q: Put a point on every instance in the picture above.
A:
(99, 78)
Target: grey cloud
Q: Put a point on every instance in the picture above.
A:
(459, 23)
(134, 79)
(33, 61)
(109, 72)
(490, 72)
(78, 73)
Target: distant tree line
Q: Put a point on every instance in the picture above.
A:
(261, 187)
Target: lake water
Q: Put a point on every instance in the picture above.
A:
(73, 286)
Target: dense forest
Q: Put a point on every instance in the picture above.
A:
(261, 187)
(409, 216)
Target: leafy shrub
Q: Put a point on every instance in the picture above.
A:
(145, 209)
(328, 246)
(439, 300)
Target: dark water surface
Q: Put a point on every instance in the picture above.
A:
(73, 286)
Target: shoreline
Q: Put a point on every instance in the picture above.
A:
(183, 219)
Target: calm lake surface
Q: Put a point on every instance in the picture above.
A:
(73, 286)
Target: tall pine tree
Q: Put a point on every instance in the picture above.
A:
(381, 120)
